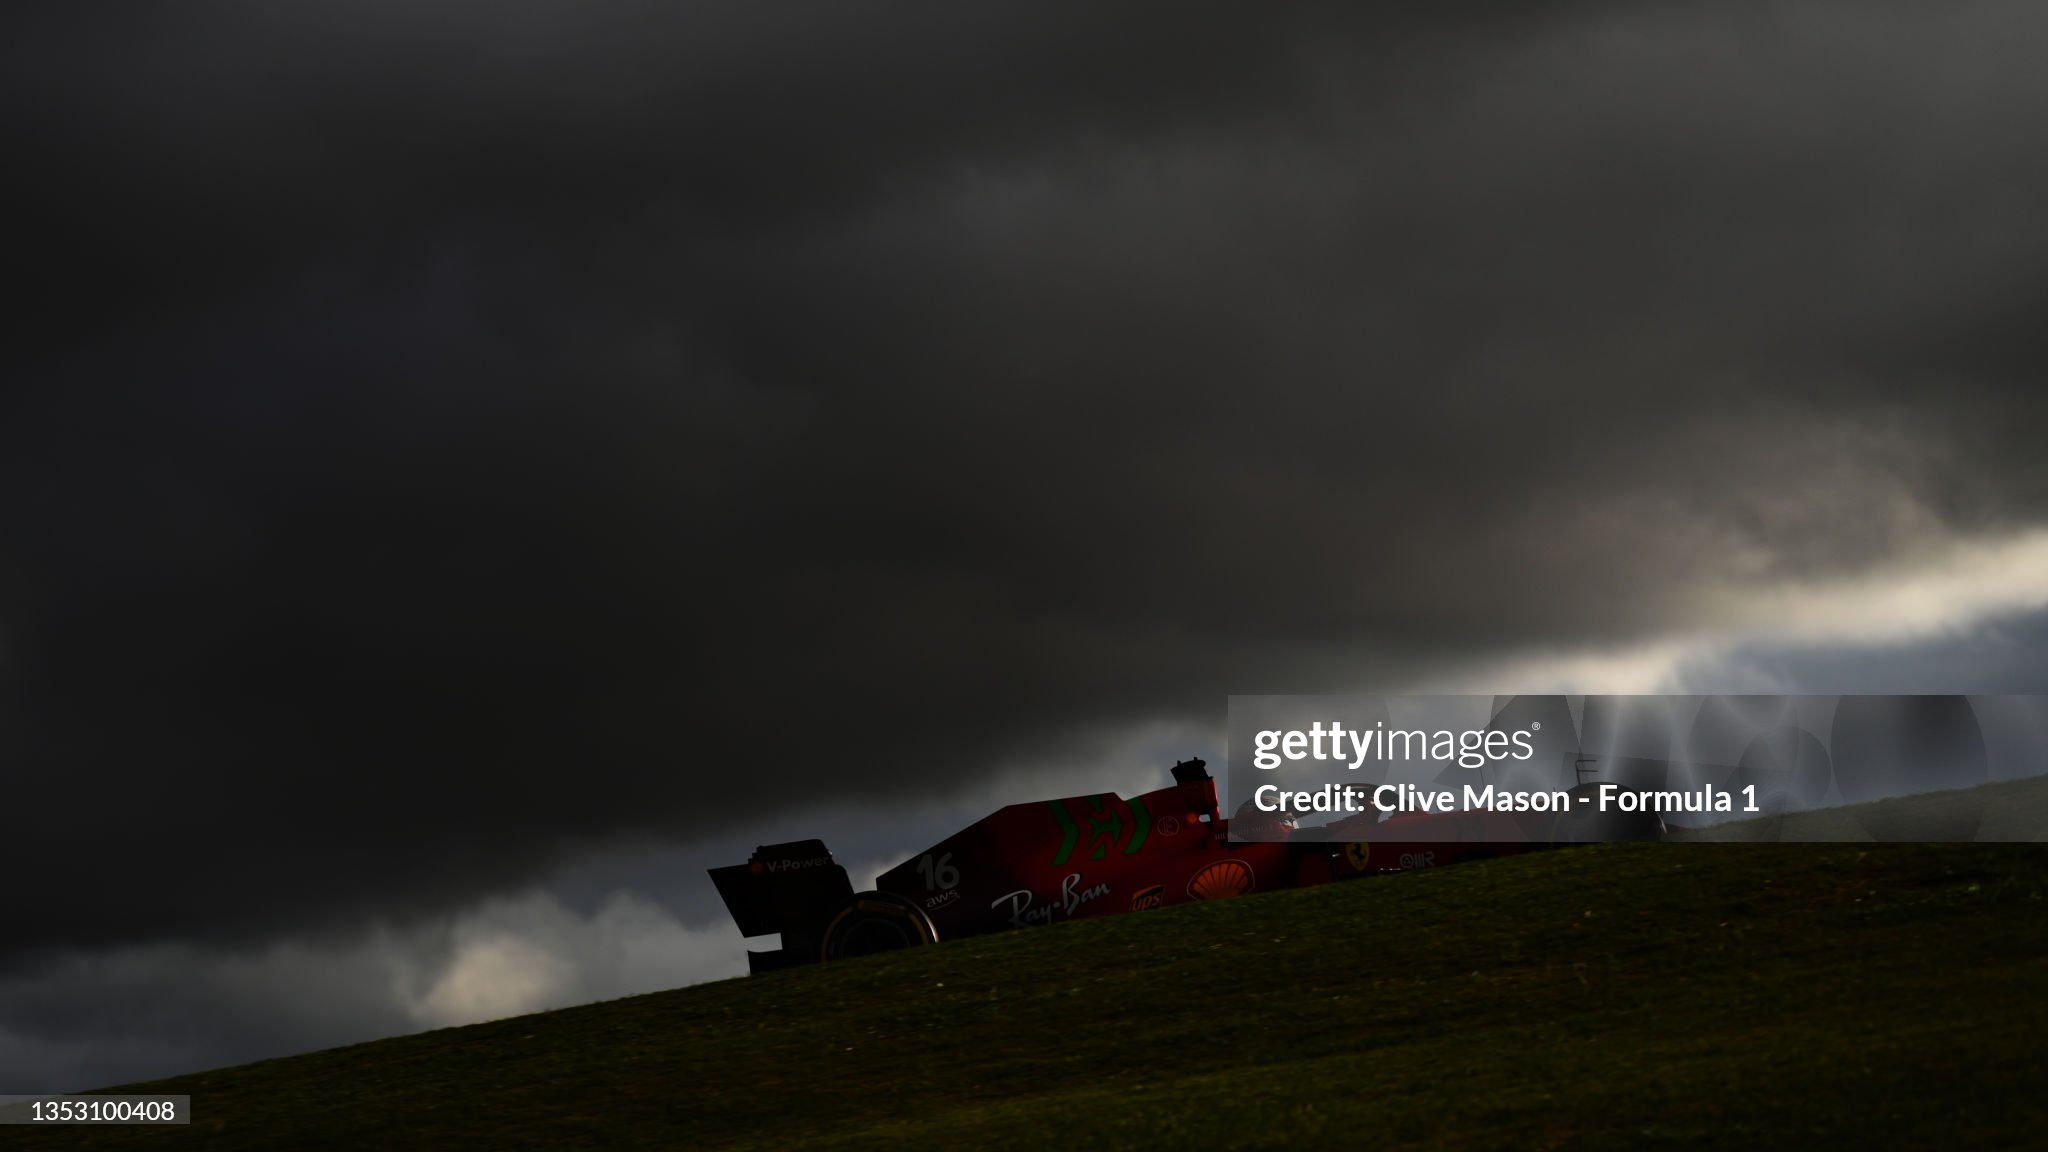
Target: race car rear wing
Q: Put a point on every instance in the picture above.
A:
(792, 889)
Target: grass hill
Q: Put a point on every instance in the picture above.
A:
(2013, 811)
(1691, 995)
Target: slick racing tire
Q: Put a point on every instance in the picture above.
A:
(875, 922)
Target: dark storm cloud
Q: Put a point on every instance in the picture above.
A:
(442, 436)
(125, 1014)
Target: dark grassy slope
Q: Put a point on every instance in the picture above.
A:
(2012, 811)
(1703, 995)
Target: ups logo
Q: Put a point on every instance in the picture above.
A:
(1151, 897)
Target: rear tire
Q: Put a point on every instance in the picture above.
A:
(876, 922)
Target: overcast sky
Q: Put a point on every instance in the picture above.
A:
(467, 467)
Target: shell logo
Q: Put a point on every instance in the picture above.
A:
(1222, 880)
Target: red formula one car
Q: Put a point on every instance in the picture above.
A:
(1071, 858)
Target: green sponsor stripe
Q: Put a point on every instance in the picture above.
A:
(1103, 823)
(1143, 829)
(1071, 833)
